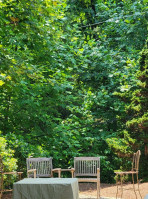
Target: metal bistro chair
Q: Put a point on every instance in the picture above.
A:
(134, 171)
(3, 180)
(41, 167)
(88, 170)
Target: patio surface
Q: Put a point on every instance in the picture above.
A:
(108, 191)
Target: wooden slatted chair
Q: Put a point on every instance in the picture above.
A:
(3, 180)
(87, 169)
(41, 167)
(134, 171)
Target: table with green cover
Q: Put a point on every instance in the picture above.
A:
(46, 188)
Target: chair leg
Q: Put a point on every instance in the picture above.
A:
(134, 185)
(1, 194)
(2, 186)
(117, 185)
(138, 186)
(98, 190)
(121, 179)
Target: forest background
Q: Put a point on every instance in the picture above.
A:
(74, 82)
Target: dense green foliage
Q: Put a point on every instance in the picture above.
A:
(7, 155)
(70, 80)
(9, 162)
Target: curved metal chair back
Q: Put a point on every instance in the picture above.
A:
(1, 165)
(135, 163)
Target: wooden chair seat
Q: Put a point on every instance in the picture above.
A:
(87, 179)
(125, 172)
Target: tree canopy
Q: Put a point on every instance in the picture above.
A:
(73, 80)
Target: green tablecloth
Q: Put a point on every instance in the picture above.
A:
(46, 188)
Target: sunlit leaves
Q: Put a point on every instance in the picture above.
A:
(1, 82)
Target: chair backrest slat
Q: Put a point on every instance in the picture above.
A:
(43, 166)
(1, 165)
(86, 166)
(136, 158)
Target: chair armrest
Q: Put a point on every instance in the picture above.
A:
(56, 170)
(13, 172)
(31, 171)
(9, 172)
(19, 172)
(72, 170)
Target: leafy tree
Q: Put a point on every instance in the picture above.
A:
(62, 63)
(135, 136)
(138, 124)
